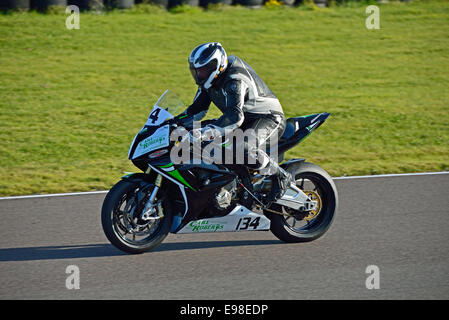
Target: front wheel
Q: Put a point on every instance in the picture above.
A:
(122, 222)
(303, 226)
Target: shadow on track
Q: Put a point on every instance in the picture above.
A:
(169, 246)
(58, 252)
(107, 250)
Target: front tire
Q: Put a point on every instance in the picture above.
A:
(123, 229)
(311, 225)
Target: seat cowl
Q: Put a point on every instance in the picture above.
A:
(295, 124)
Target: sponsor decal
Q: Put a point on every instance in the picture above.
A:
(159, 139)
(147, 143)
(206, 226)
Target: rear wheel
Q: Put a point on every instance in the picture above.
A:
(122, 222)
(302, 226)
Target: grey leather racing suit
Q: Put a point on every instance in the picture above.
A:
(246, 103)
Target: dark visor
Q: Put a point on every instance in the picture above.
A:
(201, 74)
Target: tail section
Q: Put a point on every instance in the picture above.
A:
(297, 129)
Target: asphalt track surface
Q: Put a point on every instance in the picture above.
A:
(400, 224)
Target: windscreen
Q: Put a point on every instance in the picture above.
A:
(171, 103)
(167, 106)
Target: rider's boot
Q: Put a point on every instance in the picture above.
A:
(281, 181)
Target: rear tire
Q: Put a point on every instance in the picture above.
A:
(323, 220)
(112, 226)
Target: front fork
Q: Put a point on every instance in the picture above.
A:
(150, 206)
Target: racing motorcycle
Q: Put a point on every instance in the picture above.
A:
(194, 197)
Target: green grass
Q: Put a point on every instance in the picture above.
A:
(71, 101)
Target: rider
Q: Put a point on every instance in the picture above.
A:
(245, 101)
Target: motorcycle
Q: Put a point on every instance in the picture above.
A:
(142, 208)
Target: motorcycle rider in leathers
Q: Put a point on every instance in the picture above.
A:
(246, 103)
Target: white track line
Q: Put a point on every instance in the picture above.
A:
(392, 175)
(53, 195)
(334, 178)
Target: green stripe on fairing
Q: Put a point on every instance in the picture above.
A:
(175, 174)
(166, 165)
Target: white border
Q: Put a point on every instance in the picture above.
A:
(334, 178)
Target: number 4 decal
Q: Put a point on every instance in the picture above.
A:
(154, 115)
(247, 223)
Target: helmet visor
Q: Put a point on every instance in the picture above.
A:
(203, 73)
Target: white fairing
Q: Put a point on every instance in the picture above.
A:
(159, 139)
(239, 219)
(167, 105)
(157, 116)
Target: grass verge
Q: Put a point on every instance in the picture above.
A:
(72, 100)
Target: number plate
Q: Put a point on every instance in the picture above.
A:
(157, 116)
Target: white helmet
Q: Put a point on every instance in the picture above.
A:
(207, 62)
